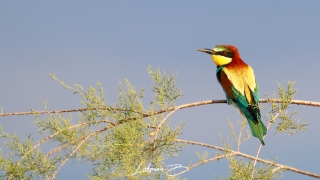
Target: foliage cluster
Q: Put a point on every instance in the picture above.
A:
(119, 138)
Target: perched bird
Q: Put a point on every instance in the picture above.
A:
(239, 84)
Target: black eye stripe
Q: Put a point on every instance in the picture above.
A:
(226, 54)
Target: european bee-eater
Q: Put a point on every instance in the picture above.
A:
(239, 84)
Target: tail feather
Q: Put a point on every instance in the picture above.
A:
(258, 129)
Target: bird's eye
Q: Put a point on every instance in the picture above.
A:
(224, 52)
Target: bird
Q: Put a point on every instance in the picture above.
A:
(238, 82)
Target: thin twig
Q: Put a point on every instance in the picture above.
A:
(69, 144)
(200, 103)
(164, 119)
(71, 127)
(276, 169)
(257, 155)
(203, 162)
(250, 157)
(51, 136)
(62, 147)
(159, 126)
(258, 152)
(239, 139)
(83, 140)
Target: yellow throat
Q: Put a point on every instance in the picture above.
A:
(220, 60)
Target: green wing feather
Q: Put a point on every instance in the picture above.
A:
(250, 111)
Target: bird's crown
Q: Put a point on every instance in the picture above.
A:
(225, 50)
(228, 48)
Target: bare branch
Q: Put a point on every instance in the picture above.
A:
(203, 162)
(258, 152)
(54, 174)
(200, 103)
(161, 123)
(62, 147)
(51, 136)
(280, 166)
(83, 140)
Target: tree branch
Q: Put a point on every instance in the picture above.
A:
(200, 103)
(54, 174)
(203, 162)
(258, 152)
(280, 166)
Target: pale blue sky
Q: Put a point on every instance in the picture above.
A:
(88, 41)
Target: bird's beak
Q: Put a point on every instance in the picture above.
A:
(209, 51)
